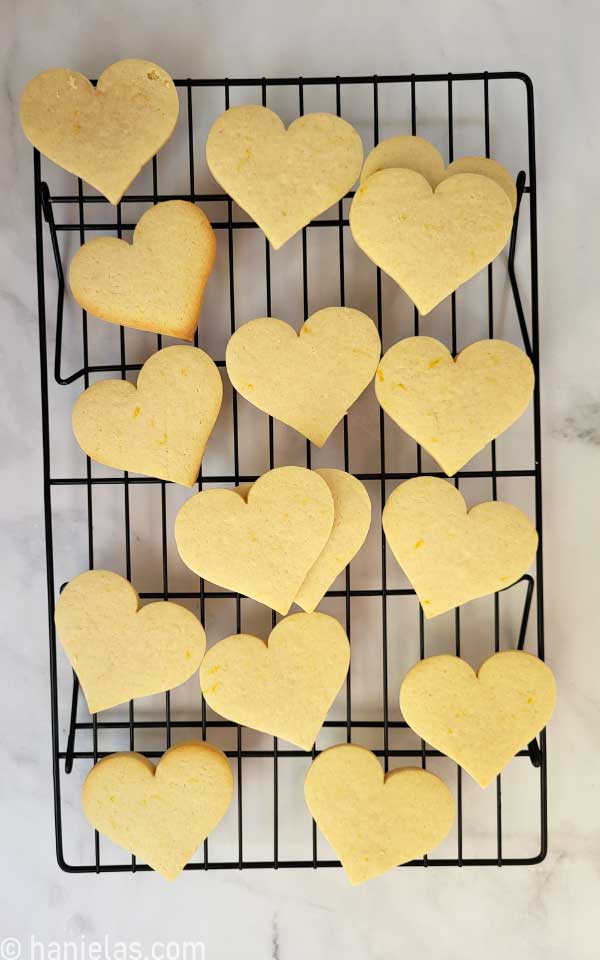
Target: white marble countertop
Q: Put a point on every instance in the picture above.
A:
(546, 911)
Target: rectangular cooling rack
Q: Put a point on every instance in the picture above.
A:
(267, 826)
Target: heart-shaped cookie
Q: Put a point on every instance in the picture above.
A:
(415, 153)
(479, 719)
(155, 283)
(451, 556)
(310, 379)
(283, 178)
(160, 814)
(485, 167)
(264, 546)
(351, 522)
(119, 651)
(408, 153)
(285, 686)
(159, 428)
(376, 821)
(352, 519)
(103, 134)
(430, 242)
(454, 408)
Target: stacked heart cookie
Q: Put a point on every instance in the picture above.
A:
(430, 228)
(284, 538)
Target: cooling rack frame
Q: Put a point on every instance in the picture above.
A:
(45, 220)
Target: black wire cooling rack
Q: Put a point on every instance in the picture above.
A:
(88, 213)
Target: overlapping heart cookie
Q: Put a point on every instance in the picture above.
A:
(376, 821)
(454, 407)
(283, 178)
(479, 719)
(309, 379)
(262, 545)
(429, 227)
(160, 814)
(285, 686)
(103, 134)
(351, 522)
(416, 153)
(450, 555)
(119, 651)
(430, 241)
(155, 283)
(159, 428)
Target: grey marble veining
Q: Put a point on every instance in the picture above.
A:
(546, 911)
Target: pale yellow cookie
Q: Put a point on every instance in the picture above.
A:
(408, 153)
(285, 686)
(160, 814)
(481, 719)
(430, 242)
(103, 134)
(283, 178)
(454, 408)
(486, 167)
(119, 651)
(352, 519)
(159, 428)
(451, 556)
(310, 379)
(376, 821)
(155, 283)
(415, 153)
(264, 546)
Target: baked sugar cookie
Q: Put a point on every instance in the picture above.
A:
(486, 167)
(451, 556)
(262, 546)
(407, 153)
(103, 134)
(160, 814)
(159, 428)
(376, 821)
(118, 650)
(155, 283)
(481, 719)
(308, 380)
(430, 242)
(454, 408)
(283, 178)
(285, 686)
(352, 519)
(415, 153)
